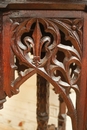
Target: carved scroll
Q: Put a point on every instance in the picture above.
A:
(61, 42)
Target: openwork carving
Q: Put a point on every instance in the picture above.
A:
(51, 48)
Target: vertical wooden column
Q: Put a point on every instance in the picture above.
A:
(62, 114)
(2, 93)
(82, 98)
(42, 103)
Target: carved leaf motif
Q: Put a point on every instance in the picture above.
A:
(35, 41)
(56, 49)
(42, 33)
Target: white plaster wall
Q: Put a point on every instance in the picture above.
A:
(19, 111)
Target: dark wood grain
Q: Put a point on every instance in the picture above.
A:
(48, 39)
(2, 93)
(42, 103)
(38, 4)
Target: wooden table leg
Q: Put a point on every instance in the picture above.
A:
(42, 103)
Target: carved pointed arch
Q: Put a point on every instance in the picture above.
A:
(51, 48)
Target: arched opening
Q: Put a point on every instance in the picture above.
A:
(20, 111)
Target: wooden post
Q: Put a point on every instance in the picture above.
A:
(2, 93)
(62, 114)
(42, 103)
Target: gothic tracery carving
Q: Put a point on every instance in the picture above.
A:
(51, 48)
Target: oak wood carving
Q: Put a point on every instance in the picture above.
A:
(50, 47)
(47, 38)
